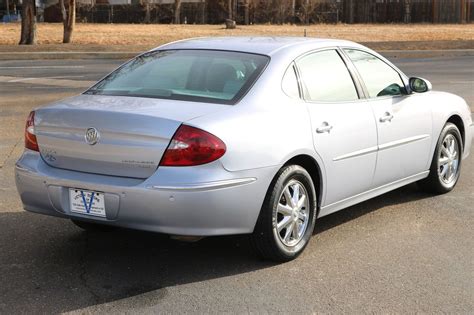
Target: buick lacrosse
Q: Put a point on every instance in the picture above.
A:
(256, 136)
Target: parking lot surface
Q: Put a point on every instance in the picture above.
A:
(405, 251)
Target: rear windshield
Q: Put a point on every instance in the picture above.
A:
(191, 75)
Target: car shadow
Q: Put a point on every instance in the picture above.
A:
(402, 195)
(47, 265)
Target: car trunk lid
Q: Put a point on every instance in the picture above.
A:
(132, 133)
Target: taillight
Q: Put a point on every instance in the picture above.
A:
(30, 137)
(192, 146)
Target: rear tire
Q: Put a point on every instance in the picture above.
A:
(92, 227)
(287, 217)
(446, 164)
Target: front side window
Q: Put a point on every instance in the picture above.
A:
(380, 79)
(326, 78)
(190, 75)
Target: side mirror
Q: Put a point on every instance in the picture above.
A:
(419, 85)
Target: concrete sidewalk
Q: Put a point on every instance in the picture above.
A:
(42, 55)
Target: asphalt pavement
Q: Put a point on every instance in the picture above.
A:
(403, 252)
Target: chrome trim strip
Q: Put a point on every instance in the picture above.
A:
(387, 145)
(356, 153)
(207, 185)
(392, 144)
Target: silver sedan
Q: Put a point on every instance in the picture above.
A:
(256, 136)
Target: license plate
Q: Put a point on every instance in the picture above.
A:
(87, 202)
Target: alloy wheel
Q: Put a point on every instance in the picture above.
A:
(292, 213)
(448, 160)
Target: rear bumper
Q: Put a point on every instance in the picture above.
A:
(199, 201)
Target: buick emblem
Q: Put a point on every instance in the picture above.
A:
(92, 136)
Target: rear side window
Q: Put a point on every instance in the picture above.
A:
(326, 78)
(380, 79)
(191, 75)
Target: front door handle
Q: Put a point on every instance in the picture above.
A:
(325, 127)
(386, 117)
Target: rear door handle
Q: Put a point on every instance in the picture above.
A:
(386, 117)
(325, 127)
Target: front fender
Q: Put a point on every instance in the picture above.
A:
(444, 107)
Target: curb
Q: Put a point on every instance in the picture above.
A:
(42, 55)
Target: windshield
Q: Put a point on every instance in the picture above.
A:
(190, 75)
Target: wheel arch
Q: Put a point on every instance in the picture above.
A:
(314, 170)
(458, 122)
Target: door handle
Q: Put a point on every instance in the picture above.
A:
(325, 127)
(386, 117)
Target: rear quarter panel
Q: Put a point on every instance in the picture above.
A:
(264, 129)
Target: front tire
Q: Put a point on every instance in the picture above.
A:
(287, 217)
(446, 164)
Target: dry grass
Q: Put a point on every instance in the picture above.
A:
(153, 35)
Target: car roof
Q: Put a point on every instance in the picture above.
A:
(257, 45)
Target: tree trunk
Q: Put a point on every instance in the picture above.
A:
(28, 23)
(351, 11)
(463, 12)
(468, 9)
(229, 5)
(63, 11)
(147, 12)
(177, 11)
(247, 12)
(407, 18)
(435, 11)
(306, 12)
(203, 12)
(69, 19)
(293, 11)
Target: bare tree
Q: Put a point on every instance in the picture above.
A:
(247, 12)
(69, 19)
(28, 23)
(407, 18)
(281, 10)
(203, 11)
(177, 11)
(230, 5)
(308, 8)
(8, 9)
(293, 11)
(351, 11)
(147, 11)
(465, 9)
(435, 11)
